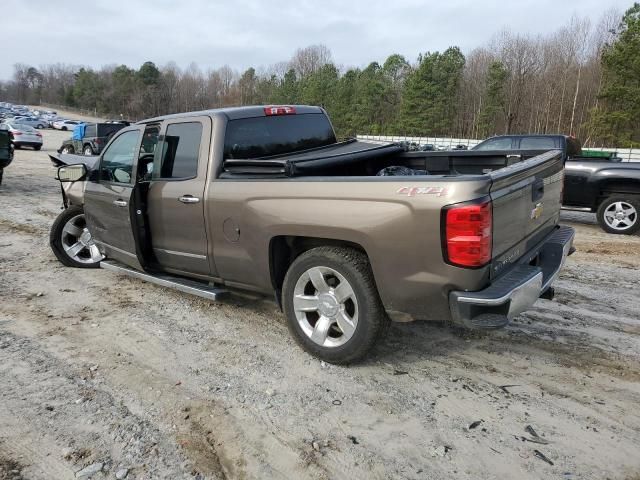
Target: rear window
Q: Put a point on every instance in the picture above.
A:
(275, 135)
(538, 143)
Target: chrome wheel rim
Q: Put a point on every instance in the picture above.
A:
(77, 241)
(88, 151)
(325, 306)
(620, 215)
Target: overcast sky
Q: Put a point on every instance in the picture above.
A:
(245, 33)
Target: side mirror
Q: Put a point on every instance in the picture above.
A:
(71, 173)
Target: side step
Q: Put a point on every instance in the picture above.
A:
(182, 284)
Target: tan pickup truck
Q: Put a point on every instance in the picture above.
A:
(346, 235)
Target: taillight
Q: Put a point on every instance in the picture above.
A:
(468, 231)
(279, 110)
(38, 134)
(17, 133)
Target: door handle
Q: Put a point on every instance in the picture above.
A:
(189, 199)
(120, 203)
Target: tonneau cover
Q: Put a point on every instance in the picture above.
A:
(306, 162)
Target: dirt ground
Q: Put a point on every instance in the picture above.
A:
(102, 376)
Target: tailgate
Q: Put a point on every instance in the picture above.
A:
(526, 200)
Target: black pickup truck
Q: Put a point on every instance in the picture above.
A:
(6, 150)
(595, 182)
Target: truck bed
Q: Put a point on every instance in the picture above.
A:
(362, 158)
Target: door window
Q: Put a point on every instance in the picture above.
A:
(147, 152)
(495, 144)
(117, 161)
(90, 131)
(180, 151)
(537, 143)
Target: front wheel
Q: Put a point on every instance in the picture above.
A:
(332, 305)
(71, 240)
(87, 150)
(67, 149)
(618, 214)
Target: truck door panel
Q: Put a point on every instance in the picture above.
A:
(107, 198)
(176, 197)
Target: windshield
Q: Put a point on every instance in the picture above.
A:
(274, 135)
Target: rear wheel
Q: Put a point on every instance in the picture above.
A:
(619, 214)
(37, 147)
(332, 305)
(71, 240)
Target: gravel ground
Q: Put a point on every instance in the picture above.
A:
(103, 376)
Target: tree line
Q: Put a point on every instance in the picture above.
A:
(583, 79)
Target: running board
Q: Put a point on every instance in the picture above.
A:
(182, 284)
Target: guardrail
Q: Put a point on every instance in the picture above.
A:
(627, 154)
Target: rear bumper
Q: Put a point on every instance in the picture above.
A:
(516, 290)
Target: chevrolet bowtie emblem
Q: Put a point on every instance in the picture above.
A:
(537, 211)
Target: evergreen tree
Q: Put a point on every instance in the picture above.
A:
(615, 121)
(494, 99)
(429, 100)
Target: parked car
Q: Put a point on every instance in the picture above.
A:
(32, 122)
(90, 138)
(6, 149)
(266, 199)
(65, 124)
(599, 183)
(24, 136)
(428, 147)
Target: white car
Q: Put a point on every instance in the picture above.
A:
(65, 124)
(32, 122)
(24, 136)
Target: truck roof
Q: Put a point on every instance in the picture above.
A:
(234, 113)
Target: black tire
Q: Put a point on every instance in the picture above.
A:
(87, 150)
(372, 322)
(64, 129)
(632, 222)
(68, 149)
(56, 237)
(17, 146)
(37, 147)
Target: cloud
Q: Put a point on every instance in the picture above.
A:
(257, 33)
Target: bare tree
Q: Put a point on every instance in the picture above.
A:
(310, 59)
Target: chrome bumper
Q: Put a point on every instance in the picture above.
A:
(515, 291)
